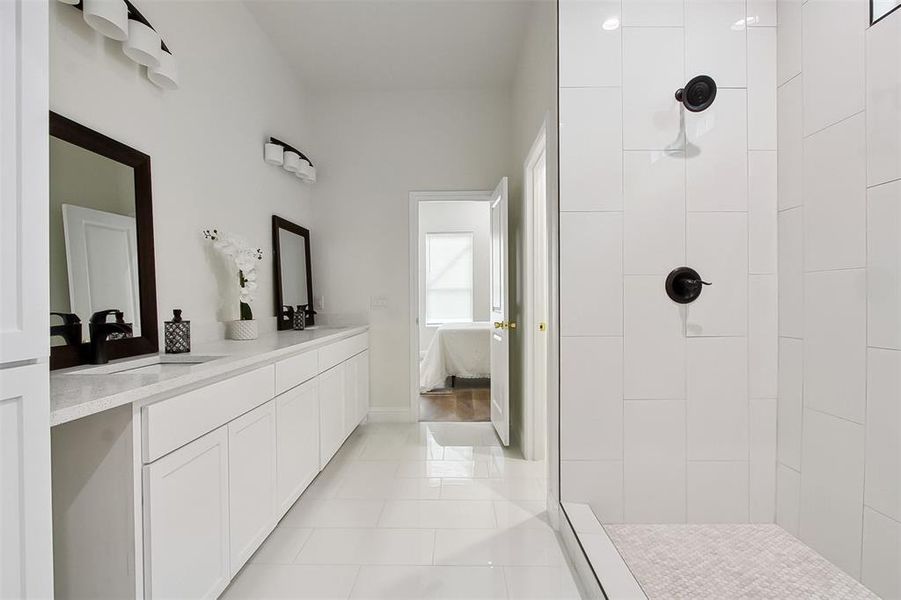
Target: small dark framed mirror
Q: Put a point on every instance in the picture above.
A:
(101, 247)
(293, 272)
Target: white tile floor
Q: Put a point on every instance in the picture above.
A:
(434, 510)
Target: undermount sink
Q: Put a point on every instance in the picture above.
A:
(151, 365)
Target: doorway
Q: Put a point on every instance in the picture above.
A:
(536, 299)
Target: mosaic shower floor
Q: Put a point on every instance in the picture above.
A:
(706, 562)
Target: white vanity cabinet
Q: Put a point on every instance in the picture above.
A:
(297, 441)
(224, 462)
(251, 482)
(186, 520)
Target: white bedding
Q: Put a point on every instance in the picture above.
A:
(460, 349)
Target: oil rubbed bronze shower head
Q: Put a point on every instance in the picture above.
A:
(698, 94)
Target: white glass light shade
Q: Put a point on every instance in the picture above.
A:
(165, 75)
(274, 154)
(142, 45)
(307, 172)
(292, 161)
(109, 17)
(72, 2)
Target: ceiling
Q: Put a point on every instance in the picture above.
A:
(397, 44)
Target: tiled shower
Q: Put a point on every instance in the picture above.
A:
(774, 399)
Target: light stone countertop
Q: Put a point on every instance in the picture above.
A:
(75, 394)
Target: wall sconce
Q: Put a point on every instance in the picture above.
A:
(278, 153)
(120, 20)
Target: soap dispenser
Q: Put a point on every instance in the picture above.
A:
(300, 318)
(177, 334)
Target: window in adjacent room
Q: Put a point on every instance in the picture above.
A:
(448, 278)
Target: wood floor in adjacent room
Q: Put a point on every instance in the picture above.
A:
(468, 401)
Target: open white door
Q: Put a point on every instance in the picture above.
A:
(102, 256)
(500, 340)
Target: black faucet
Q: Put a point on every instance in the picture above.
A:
(101, 330)
(70, 330)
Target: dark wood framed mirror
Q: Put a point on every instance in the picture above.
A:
(292, 268)
(101, 243)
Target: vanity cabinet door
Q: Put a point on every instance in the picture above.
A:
(351, 403)
(331, 412)
(186, 520)
(297, 441)
(362, 384)
(251, 482)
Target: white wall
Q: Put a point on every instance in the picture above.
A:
(205, 139)
(374, 148)
(839, 473)
(457, 217)
(668, 412)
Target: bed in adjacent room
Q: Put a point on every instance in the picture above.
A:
(457, 350)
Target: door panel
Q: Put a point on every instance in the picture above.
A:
(186, 520)
(297, 441)
(331, 413)
(102, 257)
(251, 482)
(24, 172)
(26, 563)
(500, 315)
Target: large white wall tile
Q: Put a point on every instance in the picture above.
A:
(653, 69)
(718, 251)
(591, 270)
(596, 483)
(790, 108)
(762, 13)
(717, 399)
(833, 57)
(713, 44)
(589, 52)
(884, 266)
(835, 216)
(763, 340)
(832, 475)
(591, 392)
(653, 13)
(717, 492)
(762, 476)
(883, 100)
(881, 554)
(835, 340)
(654, 344)
(883, 489)
(762, 206)
(654, 478)
(791, 272)
(791, 377)
(762, 88)
(591, 162)
(788, 39)
(654, 217)
(788, 499)
(716, 165)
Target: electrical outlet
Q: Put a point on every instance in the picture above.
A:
(380, 301)
(319, 302)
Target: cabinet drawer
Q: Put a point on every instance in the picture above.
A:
(293, 371)
(172, 423)
(338, 352)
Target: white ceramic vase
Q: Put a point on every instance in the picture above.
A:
(242, 330)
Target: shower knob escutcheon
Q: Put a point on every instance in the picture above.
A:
(684, 285)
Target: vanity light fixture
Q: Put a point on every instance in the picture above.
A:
(143, 44)
(165, 75)
(122, 21)
(109, 17)
(278, 153)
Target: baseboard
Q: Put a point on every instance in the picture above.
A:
(388, 414)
